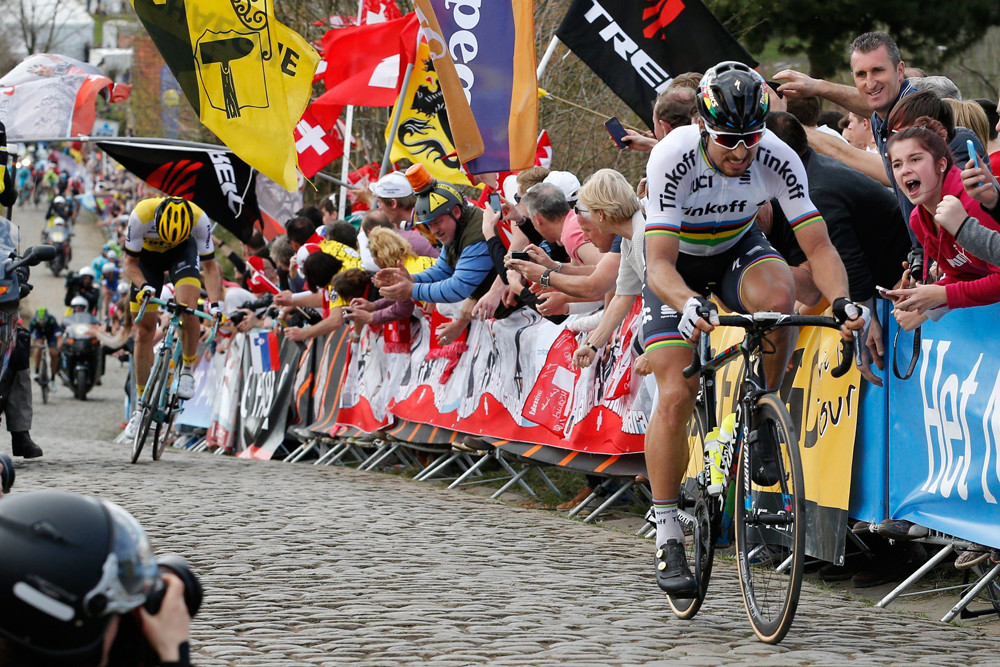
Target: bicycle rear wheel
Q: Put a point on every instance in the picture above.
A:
(148, 405)
(770, 521)
(698, 519)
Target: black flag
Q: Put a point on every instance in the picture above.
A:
(637, 47)
(217, 181)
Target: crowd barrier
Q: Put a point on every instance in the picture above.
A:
(925, 449)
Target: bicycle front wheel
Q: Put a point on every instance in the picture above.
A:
(699, 518)
(148, 405)
(770, 520)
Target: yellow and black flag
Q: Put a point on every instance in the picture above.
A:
(248, 76)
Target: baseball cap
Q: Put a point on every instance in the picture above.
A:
(392, 186)
(566, 182)
(509, 187)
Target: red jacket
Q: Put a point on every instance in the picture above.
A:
(968, 280)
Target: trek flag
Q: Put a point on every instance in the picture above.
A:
(49, 95)
(369, 61)
(217, 181)
(424, 133)
(247, 76)
(485, 57)
(637, 47)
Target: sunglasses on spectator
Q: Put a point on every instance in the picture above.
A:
(579, 210)
(730, 140)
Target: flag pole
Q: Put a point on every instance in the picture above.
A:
(345, 167)
(544, 62)
(127, 140)
(397, 112)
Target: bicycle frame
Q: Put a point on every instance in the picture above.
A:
(170, 350)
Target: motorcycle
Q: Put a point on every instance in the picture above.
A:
(14, 286)
(58, 238)
(79, 356)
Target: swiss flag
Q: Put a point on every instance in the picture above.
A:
(315, 146)
(543, 152)
(370, 60)
(379, 11)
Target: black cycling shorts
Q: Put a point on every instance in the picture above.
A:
(181, 262)
(720, 274)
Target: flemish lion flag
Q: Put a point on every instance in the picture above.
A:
(248, 76)
(424, 133)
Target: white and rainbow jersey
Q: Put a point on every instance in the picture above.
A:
(691, 200)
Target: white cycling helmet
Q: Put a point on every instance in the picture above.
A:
(87, 271)
(109, 267)
(58, 221)
(79, 301)
(59, 200)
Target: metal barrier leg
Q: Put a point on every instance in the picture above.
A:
(468, 473)
(916, 576)
(984, 581)
(335, 449)
(437, 466)
(548, 482)
(384, 455)
(303, 449)
(518, 478)
(515, 474)
(611, 499)
(381, 448)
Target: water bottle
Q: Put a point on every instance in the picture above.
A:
(713, 457)
(726, 436)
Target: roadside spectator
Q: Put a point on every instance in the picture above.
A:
(941, 86)
(806, 110)
(673, 108)
(379, 218)
(832, 119)
(969, 114)
(924, 169)
(390, 249)
(858, 132)
(981, 240)
(862, 219)
(342, 232)
(993, 146)
(879, 84)
(608, 202)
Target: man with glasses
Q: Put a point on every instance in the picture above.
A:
(706, 183)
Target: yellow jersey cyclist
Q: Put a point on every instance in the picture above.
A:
(169, 236)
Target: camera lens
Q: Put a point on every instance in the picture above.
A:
(193, 592)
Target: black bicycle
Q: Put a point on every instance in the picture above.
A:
(769, 508)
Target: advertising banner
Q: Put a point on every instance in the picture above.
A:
(944, 444)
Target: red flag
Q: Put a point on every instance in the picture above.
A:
(362, 177)
(543, 151)
(315, 146)
(370, 62)
(379, 11)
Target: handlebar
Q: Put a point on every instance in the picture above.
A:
(764, 321)
(170, 307)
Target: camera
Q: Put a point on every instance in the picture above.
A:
(130, 646)
(915, 261)
(253, 306)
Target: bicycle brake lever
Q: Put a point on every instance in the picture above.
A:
(847, 350)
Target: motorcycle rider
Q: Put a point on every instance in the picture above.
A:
(82, 284)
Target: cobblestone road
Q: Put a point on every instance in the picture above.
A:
(306, 565)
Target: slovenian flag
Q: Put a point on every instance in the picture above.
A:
(264, 353)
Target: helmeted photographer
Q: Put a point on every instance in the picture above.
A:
(77, 579)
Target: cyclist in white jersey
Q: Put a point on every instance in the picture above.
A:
(706, 183)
